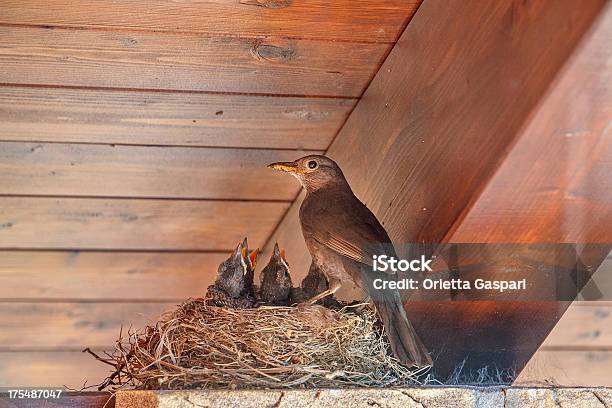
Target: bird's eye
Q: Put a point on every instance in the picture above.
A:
(312, 164)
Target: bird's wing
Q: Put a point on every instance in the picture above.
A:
(354, 233)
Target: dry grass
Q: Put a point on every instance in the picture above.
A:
(198, 346)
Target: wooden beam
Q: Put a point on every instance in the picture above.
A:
(144, 60)
(555, 184)
(169, 118)
(128, 224)
(376, 22)
(142, 171)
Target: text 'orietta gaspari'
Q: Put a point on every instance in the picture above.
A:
(384, 263)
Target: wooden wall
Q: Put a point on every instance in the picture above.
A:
(133, 145)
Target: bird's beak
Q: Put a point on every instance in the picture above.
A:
(253, 257)
(238, 254)
(289, 167)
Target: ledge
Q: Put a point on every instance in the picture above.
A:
(425, 397)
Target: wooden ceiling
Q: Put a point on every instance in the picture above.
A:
(133, 142)
(147, 125)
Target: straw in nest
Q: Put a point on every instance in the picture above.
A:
(199, 346)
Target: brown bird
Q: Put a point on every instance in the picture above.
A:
(234, 284)
(275, 280)
(342, 236)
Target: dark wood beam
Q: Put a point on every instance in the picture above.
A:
(554, 186)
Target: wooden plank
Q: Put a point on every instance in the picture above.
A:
(100, 275)
(143, 171)
(72, 326)
(50, 369)
(570, 368)
(351, 20)
(138, 60)
(125, 224)
(167, 118)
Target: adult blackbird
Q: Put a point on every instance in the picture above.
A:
(342, 235)
(275, 280)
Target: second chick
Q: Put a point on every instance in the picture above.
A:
(275, 280)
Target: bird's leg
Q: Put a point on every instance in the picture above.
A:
(334, 285)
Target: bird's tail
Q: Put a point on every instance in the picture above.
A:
(405, 343)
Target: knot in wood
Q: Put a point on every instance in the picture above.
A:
(271, 4)
(271, 52)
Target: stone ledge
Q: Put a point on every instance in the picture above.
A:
(424, 397)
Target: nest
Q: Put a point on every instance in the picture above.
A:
(198, 345)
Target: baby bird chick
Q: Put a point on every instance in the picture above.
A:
(313, 283)
(275, 280)
(234, 284)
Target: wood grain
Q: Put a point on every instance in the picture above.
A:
(72, 326)
(125, 224)
(50, 369)
(143, 171)
(167, 118)
(555, 184)
(351, 20)
(83, 275)
(140, 60)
